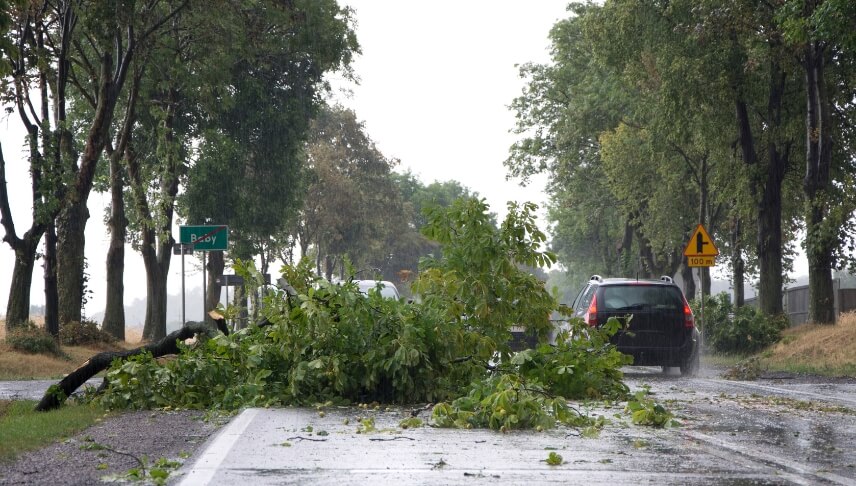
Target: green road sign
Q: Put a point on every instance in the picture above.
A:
(205, 238)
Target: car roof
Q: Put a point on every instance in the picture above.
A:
(598, 280)
(373, 283)
(388, 288)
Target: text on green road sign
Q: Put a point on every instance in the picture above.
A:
(206, 237)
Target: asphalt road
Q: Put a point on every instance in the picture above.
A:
(775, 431)
(34, 389)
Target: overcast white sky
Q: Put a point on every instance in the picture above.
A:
(436, 80)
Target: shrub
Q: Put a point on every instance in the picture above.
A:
(33, 339)
(743, 330)
(83, 333)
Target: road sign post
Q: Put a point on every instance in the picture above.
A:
(204, 238)
(182, 249)
(701, 253)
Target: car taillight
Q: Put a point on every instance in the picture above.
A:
(689, 319)
(591, 314)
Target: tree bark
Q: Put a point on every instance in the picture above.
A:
(71, 222)
(738, 266)
(216, 264)
(821, 235)
(821, 304)
(51, 288)
(71, 243)
(114, 313)
(689, 282)
(18, 302)
(154, 327)
(770, 239)
(703, 212)
(18, 305)
(768, 188)
(328, 268)
(157, 247)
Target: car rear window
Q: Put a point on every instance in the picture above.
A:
(630, 297)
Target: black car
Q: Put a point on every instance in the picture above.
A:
(661, 329)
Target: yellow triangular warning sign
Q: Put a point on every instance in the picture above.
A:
(700, 244)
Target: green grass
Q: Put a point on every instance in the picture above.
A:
(830, 370)
(721, 360)
(22, 429)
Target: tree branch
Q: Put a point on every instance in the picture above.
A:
(158, 24)
(11, 236)
(57, 394)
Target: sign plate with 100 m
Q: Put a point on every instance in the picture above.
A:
(700, 250)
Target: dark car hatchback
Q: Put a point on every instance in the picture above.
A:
(661, 330)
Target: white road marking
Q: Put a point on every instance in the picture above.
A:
(215, 453)
(806, 476)
(784, 391)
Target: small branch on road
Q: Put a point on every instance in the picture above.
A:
(416, 411)
(298, 437)
(97, 446)
(378, 439)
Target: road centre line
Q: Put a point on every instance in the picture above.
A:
(803, 474)
(209, 462)
(784, 391)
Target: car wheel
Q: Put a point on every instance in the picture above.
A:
(690, 364)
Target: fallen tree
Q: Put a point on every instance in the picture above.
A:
(56, 395)
(319, 342)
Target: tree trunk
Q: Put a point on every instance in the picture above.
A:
(703, 211)
(216, 264)
(328, 268)
(821, 304)
(18, 305)
(737, 266)
(71, 242)
(154, 327)
(768, 188)
(51, 287)
(114, 313)
(157, 256)
(821, 234)
(649, 267)
(705, 281)
(770, 240)
(689, 282)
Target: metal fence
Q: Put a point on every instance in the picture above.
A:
(795, 302)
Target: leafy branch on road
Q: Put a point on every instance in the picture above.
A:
(644, 410)
(328, 343)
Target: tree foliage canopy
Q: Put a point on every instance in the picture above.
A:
(653, 117)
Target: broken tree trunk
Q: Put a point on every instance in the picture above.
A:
(56, 394)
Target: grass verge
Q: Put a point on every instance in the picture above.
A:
(721, 360)
(22, 429)
(16, 365)
(814, 349)
(828, 350)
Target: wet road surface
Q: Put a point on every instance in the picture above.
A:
(762, 432)
(34, 389)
